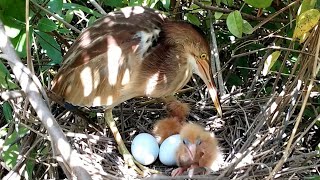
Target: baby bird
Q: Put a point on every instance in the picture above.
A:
(198, 148)
(177, 113)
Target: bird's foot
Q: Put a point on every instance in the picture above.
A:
(191, 171)
(196, 170)
(179, 171)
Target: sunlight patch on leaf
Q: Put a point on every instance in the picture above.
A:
(217, 15)
(305, 22)
(259, 3)
(272, 58)
(5, 79)
(306, 5)
(11, 147)
(47, 25)
(193, 19)
(247, 28)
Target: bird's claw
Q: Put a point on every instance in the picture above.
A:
(193, 170)
(177, 172)
(129, 160)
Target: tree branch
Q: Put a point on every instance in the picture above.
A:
(246, 16)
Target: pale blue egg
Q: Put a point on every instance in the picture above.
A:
(145, 148)
(168, 149)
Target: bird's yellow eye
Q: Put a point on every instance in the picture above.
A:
(203, 56)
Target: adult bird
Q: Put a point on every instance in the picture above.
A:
(133, 52)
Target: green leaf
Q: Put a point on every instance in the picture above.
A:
(11, 147)
(11, 31)
(92, 19)
(247, 28)
(218, 2)
(166, 4)
(31, 164)
(193, 19)
(19, 42)
(78, 7)
(271, 59)
(55, 6)
(152, 3)
(5, 79)
(113, 3)
(12, 26)
(7, 111)
(13, 8)
(235, 23)
(234, 80)
(47, 25)
(217, 15)
(224, 2)
(136, 2)
(3, 132)
(65, 30)
(230, 2)
(69, 16)
(52, 48)
(305, 22)
(259, 3)
(306, 5)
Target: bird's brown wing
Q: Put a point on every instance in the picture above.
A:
(127, 26)
(105, 56)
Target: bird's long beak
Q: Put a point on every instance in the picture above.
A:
(191, 148)
(206, 75)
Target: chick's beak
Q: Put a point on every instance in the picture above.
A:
(206, 76)
(191, 148)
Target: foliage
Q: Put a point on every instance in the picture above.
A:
(250, 43)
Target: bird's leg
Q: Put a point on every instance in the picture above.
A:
(128, 158)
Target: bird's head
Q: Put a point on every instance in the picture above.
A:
(199, 60)
(190, 135)
(197, 53)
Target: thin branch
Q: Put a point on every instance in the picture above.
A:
(298, 120)
(270, 47)
(273, 16)
(57, 17)
(215, 60)
(246, 16)
(7, 95)
(28, 47)
(96, 5)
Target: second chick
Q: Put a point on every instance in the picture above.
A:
(177, 113)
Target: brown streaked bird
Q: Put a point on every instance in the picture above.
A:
(177, 113)
(132, 52)
(199, 148)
